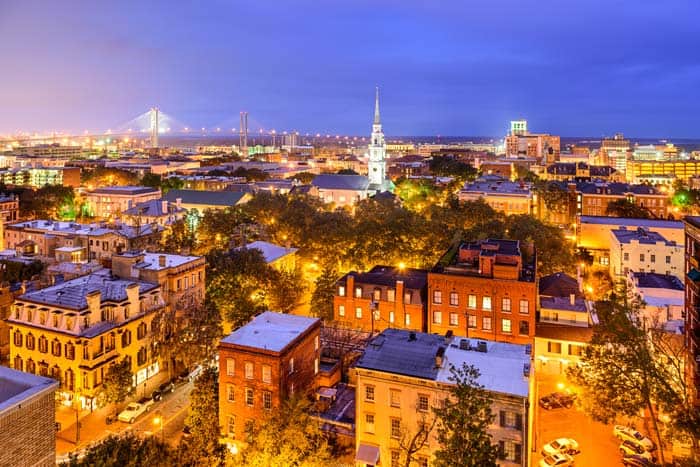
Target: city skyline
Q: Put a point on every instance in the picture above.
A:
(443, 69)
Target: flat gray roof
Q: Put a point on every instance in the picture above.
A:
(270, 331)
(17, 386)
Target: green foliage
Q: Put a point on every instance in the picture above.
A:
(324, 291)
(151, 179)
(180, 238)
(108, 176)
(118, 382)
(165, 184)
(624, 208)
(447, 166)
(463, 423)
(556, 198)
(15, 271)
(203, 447)
(288, 436)
(126, 450)
(48, 202)
(252, 174)
(303, 177)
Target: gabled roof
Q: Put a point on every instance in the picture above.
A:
(559, 284)
(205, 198)
(270, 251)
(388, 275)
(341, 182)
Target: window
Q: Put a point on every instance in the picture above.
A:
(604, 261)
(358, 312)
(316, 365)
(231, 426)
(454, 319)
(391, 317)
(369, 423)
(30, 341)
(395, 455)
(576, 350)
(369, 393)
(510, 450)
(230, 396)
(505, 325)
(316, 342)
(31, 367)
(56, 348)
(358, 292)
(341, 291)
(437, 296)
(140, 357)
(454, 298)
(267, 400)
(70, 351)
(341, 310)
(395, 397)
(524, 307)
(422, 404)
(471, 321)
(407, 296)
(486, 303)
(291, 365)
(17, 339)
(553, 347)
(391, 295)
(230, 367)
(668, 260)
(524, 328)
(249, 397)
(377, 295)
(626, 256)
(267, 374)
(641, 257)
(437, 317)
(141, 331)
(407, 319)
(486, 323)
(652, 258)
(126, 338)
(395, 428)
(17, 365)
(248, 370)
(505, 305)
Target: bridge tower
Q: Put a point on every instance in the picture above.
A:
(155, 121)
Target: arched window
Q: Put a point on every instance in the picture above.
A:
(142, 356)
(141, 331)
(31, 366)
(30, 342)
(69, 382)
(56, 373)
(18, 338)
(70, 351)
(43, 344)
(17, 364)
(56, 348)
(126, 338)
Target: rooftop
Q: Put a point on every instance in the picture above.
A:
(71, 294)
(153, 207)
(648, 223)
(151, 261)
(641, 235)
(498, 185)
(270, 331)
(388, 275)
(563, 332)
(125, 190)
(559, 284)
(564, 303)
(95, 229)
(270, 251)
(654, 280)
(17, 386)
(208, 198)
(341, 182)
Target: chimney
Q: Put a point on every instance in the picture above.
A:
(572, 299)
(439, 357)
(178, 202)
(164, 206)
(411, 336)
(161, 261)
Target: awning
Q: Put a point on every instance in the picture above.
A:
(367, 454)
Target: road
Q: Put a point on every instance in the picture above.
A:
(172, 408)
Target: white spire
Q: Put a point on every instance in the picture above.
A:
(376, 107)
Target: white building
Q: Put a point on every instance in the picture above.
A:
(662, 296)
(643, 250)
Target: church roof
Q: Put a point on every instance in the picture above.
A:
(341, 182)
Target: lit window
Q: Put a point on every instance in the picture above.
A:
(266, 374)
(377, 295)
(230, 366)
(395, 397)
(230, 396)
(524, 307)
(505, 305)
(505, 325)
(249, 397)
(341, 310)
(248, 370)
(454, 319)
(407, 319)
(358, 292)
(316, 342)
(341, 291)
(486, 303)
(391, 317)
(454, 298)
(391, 295)
(316, 364)
(554, 347)
(369, 423)
(291, 365)
(486, 323)
(471, 321)
(358, 312)
(437, 296)
(437, 317)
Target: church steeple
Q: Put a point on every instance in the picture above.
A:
(377, 121)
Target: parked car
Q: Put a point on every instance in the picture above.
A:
(561, 445)
(162, 390)
(635, 460)
(630, 448)
(628, 433)
(557, 400)
(194, 374)
(557, 460)
(134, 410)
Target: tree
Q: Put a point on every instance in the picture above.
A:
(287, 289)
(463, 423)
(324, 291)
(448, 166)
(289, 435)
(620, 372)
(108, 176)
(198, 335)
(125, 450)
(118, 382)
(48, 202)
(179, 238)
(624, 208)
(203, 447)
(303, 177)
(347, 172)
(411, 442)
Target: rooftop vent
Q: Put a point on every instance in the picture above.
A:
(449, 334)
(526, 369)
(481, 346)
(528, 349)
(439, 356)
(464, 344)
(412, 336)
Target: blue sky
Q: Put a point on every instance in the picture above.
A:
(463, 67)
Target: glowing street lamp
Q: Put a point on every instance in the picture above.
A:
(158, 420)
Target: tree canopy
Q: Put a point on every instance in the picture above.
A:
(203, 447)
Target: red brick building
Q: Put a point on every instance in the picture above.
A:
(263, 363)
(485, 290)
(384, 297)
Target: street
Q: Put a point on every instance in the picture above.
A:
(172, 408)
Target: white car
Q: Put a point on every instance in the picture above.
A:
(557, 460)
(627, 433)
(134, 410)
(561, 446)
(630, 448)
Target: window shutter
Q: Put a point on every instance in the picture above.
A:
(501, 449)
(518, 454)
(519, 421)
(549, 346)
(502, 418)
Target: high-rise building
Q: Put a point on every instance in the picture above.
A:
(520, 142)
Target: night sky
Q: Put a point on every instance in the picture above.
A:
(462, 67)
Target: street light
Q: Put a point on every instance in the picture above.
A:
(158, 420)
